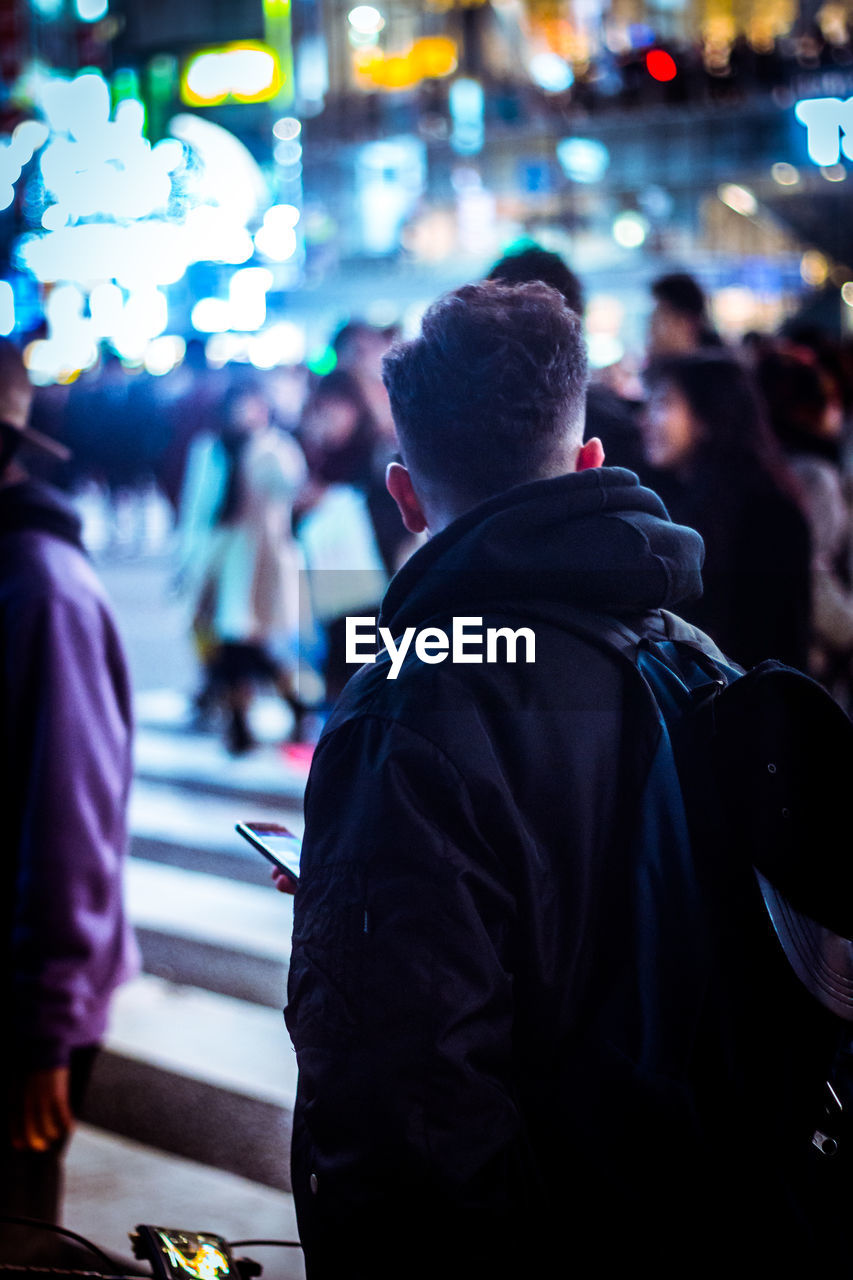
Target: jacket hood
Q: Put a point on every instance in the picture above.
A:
(32, 505)
(594, 539)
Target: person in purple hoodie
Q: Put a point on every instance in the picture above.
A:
(65, 771)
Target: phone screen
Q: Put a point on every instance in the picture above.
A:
(276, 843)
(188, 1254)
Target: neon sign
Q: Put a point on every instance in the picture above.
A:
(245, 72)
(829, 125)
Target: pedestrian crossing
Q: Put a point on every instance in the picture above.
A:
(114, 1183)
(193, 905)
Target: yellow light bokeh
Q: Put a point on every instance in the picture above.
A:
(428, 58)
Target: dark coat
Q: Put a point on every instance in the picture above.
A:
(65, 773)
(481, 1089)
(756, 601)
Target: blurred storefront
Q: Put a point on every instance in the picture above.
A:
(252, 173)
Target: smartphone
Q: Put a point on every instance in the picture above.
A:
(183, 1255)
(276, 843)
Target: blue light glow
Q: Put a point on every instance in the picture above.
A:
(91, 10)
(583, 159)
(829, 125)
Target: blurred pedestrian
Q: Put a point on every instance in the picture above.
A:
(611, 417)
(804, 415)
(240, 564)
(349, 555)
(193, 412)
(359, 348)
(65, 772)
(720, 471)
(679, 322)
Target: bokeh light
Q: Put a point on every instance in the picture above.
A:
(661, 65)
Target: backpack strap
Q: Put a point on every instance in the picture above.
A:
(662, 635)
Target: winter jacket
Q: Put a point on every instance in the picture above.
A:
(65, 771)
(485, 1086)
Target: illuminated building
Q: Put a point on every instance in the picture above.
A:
(402, 145)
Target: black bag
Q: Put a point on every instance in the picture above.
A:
(764, 764)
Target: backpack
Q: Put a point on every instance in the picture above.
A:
(753, 775)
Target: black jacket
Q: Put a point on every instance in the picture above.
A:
(479, 1088)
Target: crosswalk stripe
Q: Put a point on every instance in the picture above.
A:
(191, 904)
(228, 1043)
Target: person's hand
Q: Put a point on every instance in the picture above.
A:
(283, 883)
(43, 1115)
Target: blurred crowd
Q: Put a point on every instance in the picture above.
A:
(283, 526)
(752, 445)
(275, 484)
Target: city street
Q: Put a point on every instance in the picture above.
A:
(188, 1119)
(455, 317)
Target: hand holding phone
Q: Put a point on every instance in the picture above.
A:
(279, 846)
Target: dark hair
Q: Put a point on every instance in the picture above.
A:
(491, 389)
(349, 333)
(796, 395)
(352, 461)
(726, 401)
(340, 384)
(535, 263)
(681, 293)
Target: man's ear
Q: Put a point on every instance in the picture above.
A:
(590, 455)
(398, 482)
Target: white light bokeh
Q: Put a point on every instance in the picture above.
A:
(7, 309)
(365, 20)
(630, 229)
(583, 159)
(91, 10)
(276, 239)
(785, 174)
(244, 73)
(164, 354)
(738, 198)
(551, 72)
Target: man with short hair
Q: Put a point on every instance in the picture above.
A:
(65, 771)
(609, 415)
(495, 1078)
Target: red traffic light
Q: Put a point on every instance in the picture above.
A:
(661, 65)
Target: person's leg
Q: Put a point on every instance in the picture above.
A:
(285, 683)
(238, 700)
(31, 1186)
(232, 672)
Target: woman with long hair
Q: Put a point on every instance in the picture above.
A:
(243, 561)
(718, 468)
(805, 405)
(340, 537)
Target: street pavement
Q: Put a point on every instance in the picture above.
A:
(187, 1122)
